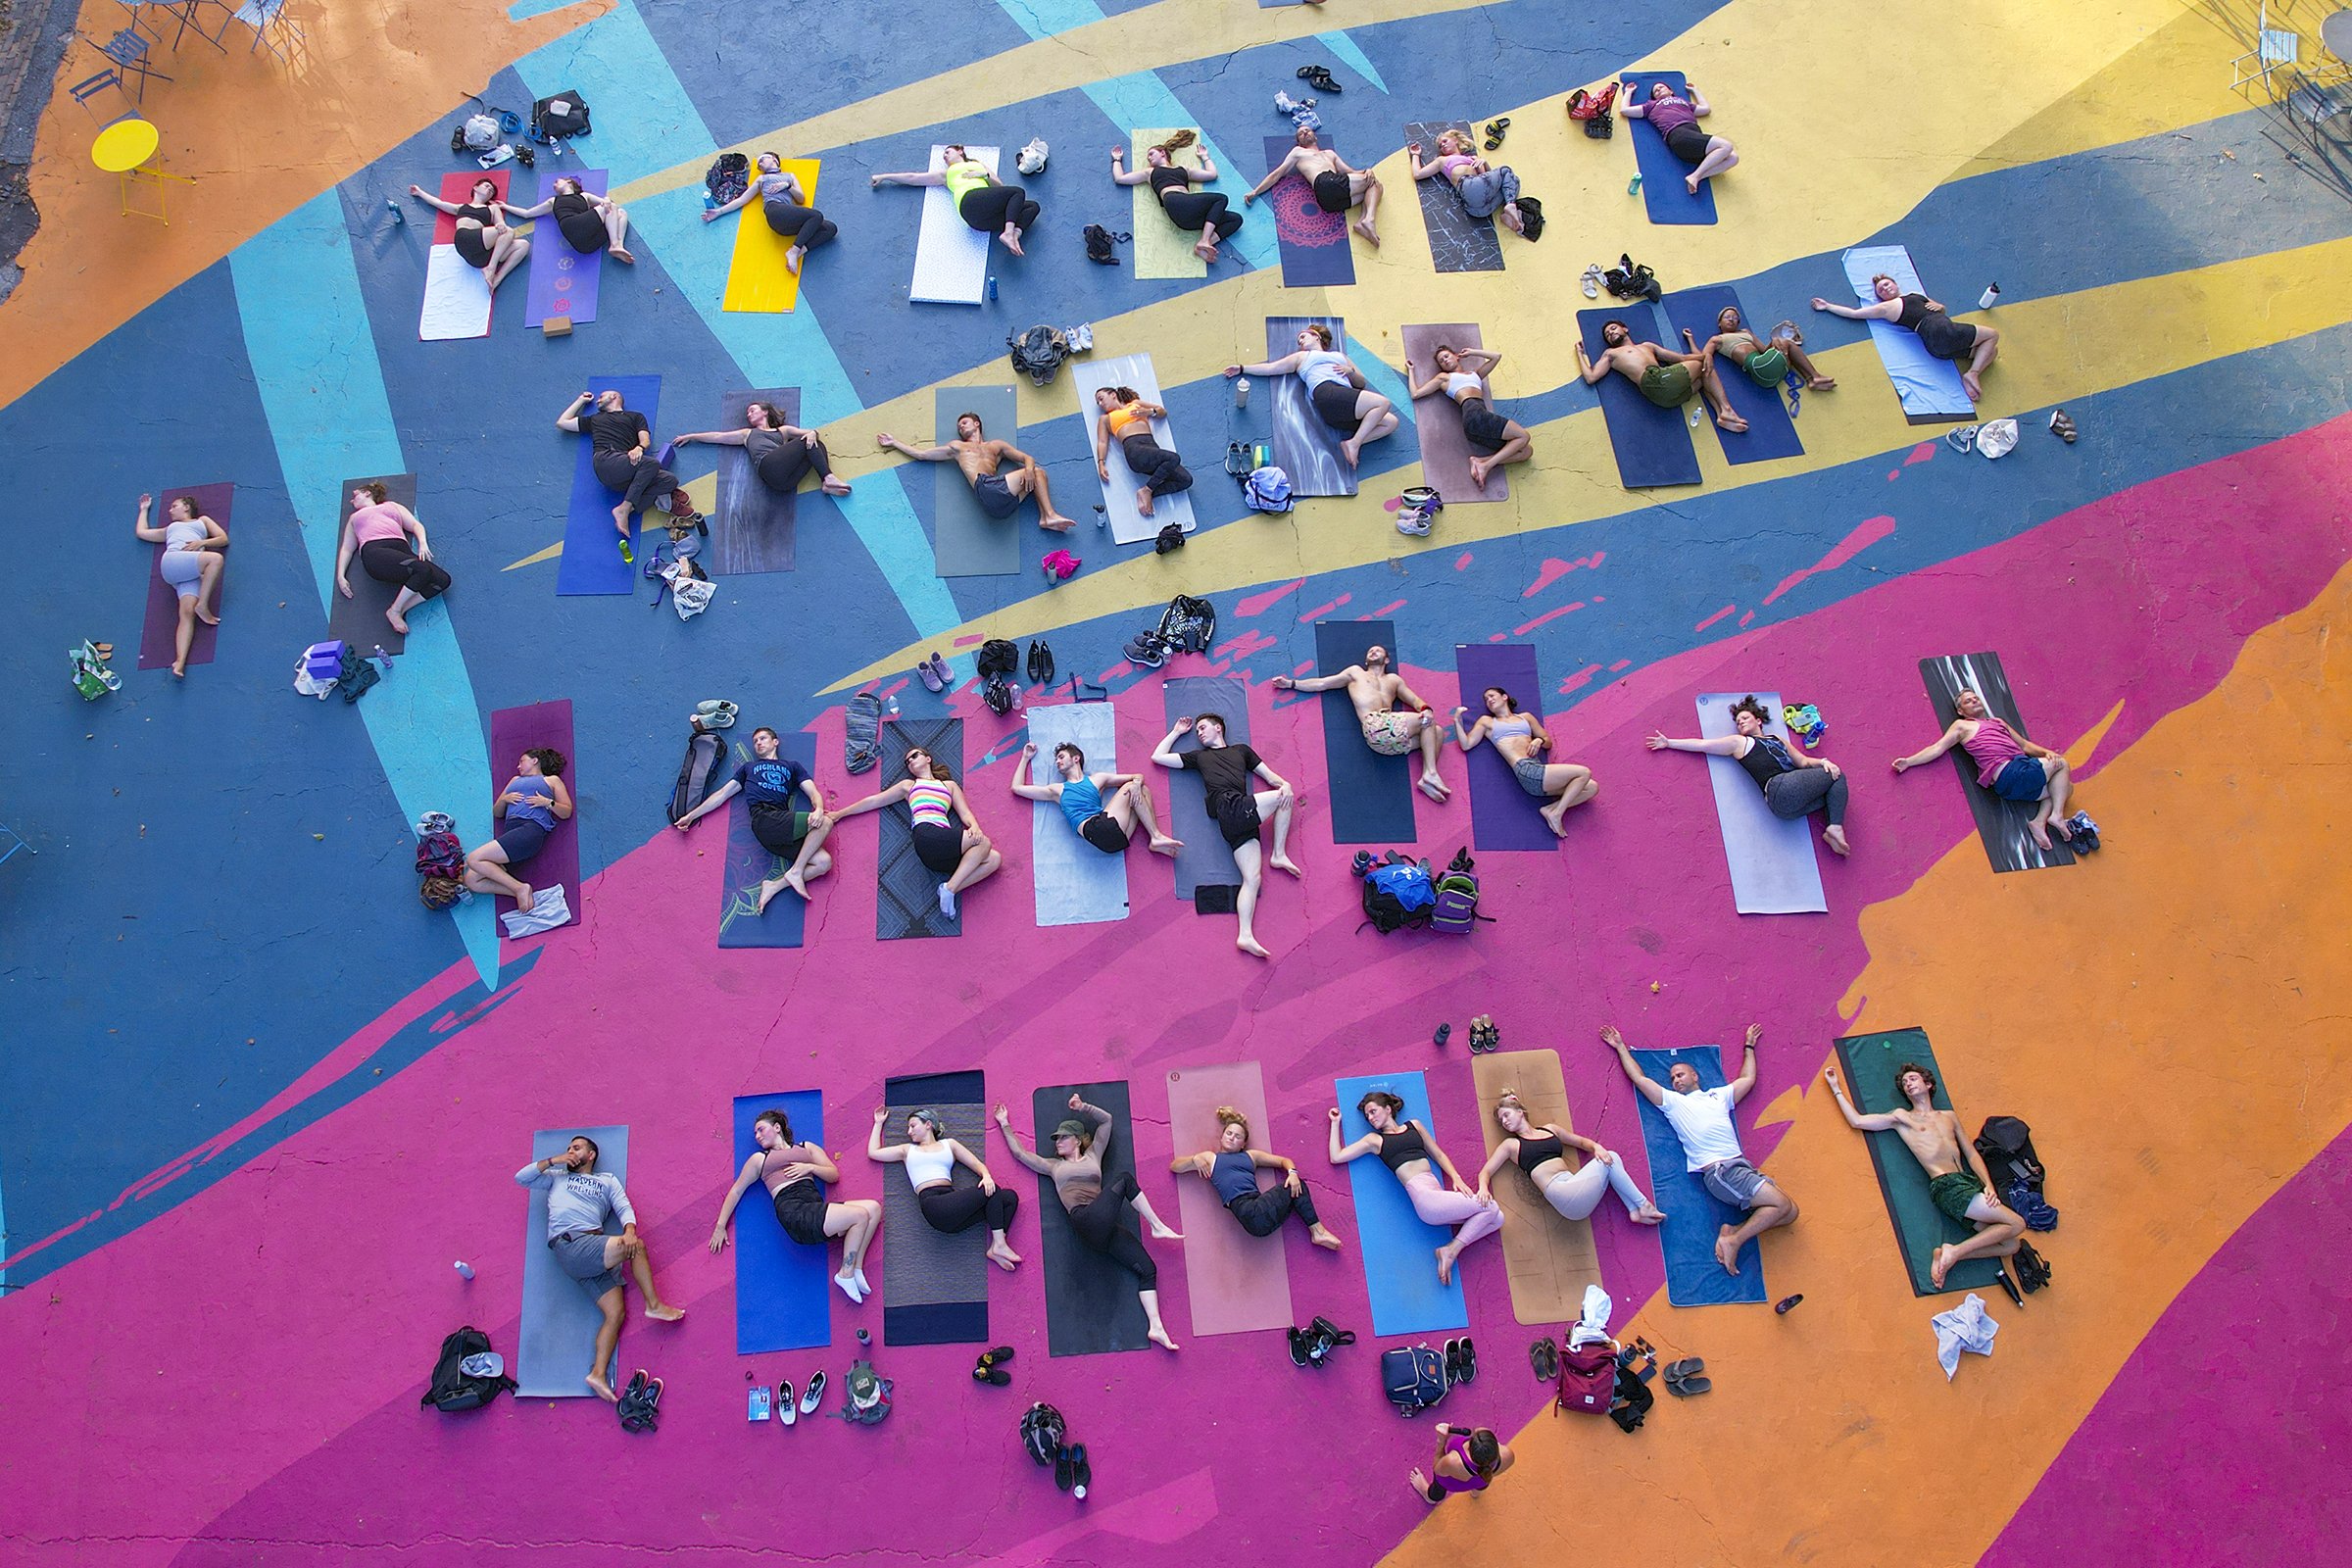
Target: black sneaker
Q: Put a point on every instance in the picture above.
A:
(1082, 1474)
(1453, 1362)
(1469, 1361)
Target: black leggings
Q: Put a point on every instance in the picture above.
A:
(1191, 208)
(804, 225)
(954, 1208)
(1263, 1213)
(991, 207)
(642, 483)
(1802, 791)
(392, 561)
(781, 469)
(1099, 1225)
(1156, 466)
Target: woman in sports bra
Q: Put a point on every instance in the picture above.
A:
(483, 240)
(1795, 783)
(1485, 191)
(1521, 738)
(793, 1174)
(981, 200)
(1469, 1458)
(1540, 1151)
(931, 1156)
(1408, 1150)
(1335, 386)
(1938, 333)
(1461, 375)
(587, 222)
(1172, 184)
(947, 835)
(1097, 1208)
(1232, 1168)
(782, 455)
(1122, 415)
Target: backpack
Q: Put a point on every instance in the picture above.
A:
(1267, 489)
(1042, 1433)
(729, 177)
(862, 733)
(864, 1395)
(564, 116)
(1456, 909)
(1169, 538)
(1587, 1380)
(701, 772)
(1397, 893)
(1594, 109)
(1098, 242)
(2006, 1145)
(2032, 1271)
(1413, 1377)
(1187, 625)
(1038, 352)
(452, 1389)
(1633, 1401)
(1629, 279)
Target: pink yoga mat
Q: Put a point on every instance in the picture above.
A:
(1238, 1282)
(159, 632)
(513, 732)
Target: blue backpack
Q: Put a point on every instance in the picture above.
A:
(1413, 1377)
(1267, 489)
(1398, 893)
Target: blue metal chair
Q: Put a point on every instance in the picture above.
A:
(271, 26)
(88, 88)
(128, 51)
(187, 10)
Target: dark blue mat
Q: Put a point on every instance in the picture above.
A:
(1653, 444)
(591, 562)
(1771, 432)
(748, 864)
(1371, 795)
(1693, 1217)
(1662, 174)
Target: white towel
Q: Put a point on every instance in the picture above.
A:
(1593, 1327)
(548, 910)
(1967, 1327)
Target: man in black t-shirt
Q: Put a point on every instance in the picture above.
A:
(619, 444)
(788, 814)
(1239, 811)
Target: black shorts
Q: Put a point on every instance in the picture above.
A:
(584, 232)
(473, 243)
(1237, 819)
(1487, 429)
(521, 840)
(995, 496)
(939, 846)
(1334, 400)
(1332, 192)
(779, 828)
(1689, 143)
(1104, 832)
(801, 1210)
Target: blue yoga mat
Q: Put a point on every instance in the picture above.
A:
(1693, 1217)
(1771, 432)
(556, 1336)
(1401, 1274)
(1371, 795)
(779, 1284)
(1653, 444)
(1930, 388)
(1077, 884)
(1304, 446)
(1205, 861)
(591, 563)
(1662, 174)
(562, 281)
(1315, 248)
(748, 864)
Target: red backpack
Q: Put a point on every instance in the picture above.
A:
(1587, 1378)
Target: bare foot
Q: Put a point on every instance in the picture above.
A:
(1058, 523)
(1164, 1234)
(1005, 1257)
(2062, 830)
(1159, 1337)
(1835, 838)
(1730, 421)
(623, 257)
(1972, 387)
(1939, 1266)
(1012, 238)
(602, 1390)
(399, 621)
(2042, 834)
(1322, 1237)
(1445, 1257)
(836, 485)
(1206, 253)
(1164, 844)
(526, 900)
(1648, 1214)
(1283, 862)
(1371, 234)
(180, 670)
(664, 1312)
(1822, 383)
(1142, 499)
(1553, 819)
(1434, 786)
(1350, 450)
(1477, 472)
(207, 617)
(1418, 1480)
(1690, 184)
(1249, 945)
(1725, 1252)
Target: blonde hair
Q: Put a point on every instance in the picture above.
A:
(1227, 1116)
(1461, 140)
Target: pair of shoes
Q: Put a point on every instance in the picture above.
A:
(1592, 281)
(1484, 1036)
(1462, 1362)
(1684, 1378)
(640, 1404)
(1494, 132)
(1040, 662)
(991, 1367)
(1319, 78)
(934, 673)
(1071, 1473)
(2062, 425)
(713, 715)
(1963, 439)
(2083, 833)
(1146, 649)
(1545, 1357)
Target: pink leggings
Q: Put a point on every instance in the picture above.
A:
(1433, 1202)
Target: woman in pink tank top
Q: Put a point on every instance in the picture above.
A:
(1469, 1458)
(2010, 765)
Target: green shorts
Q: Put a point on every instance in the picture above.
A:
(1953, 1192)
(1669, 386)
(1766, 367)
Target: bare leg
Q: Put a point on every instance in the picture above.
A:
(1131, 808)
(1000, 1253)
(1517, 447)
(1158, 1227)
(402, 602)
(1773, 1209)
(1719, 157)
(1367, 191)
(208, 585)
(641, 1264)
(616, 229)
(980, 862)
(1158, 1332)
(2062, 791)
(486, 872)
(1802, 364)
(817, 866)
(608, 1338)
(1572, 784)
(1433, 740)
(1251, 861)
(1046, 518)
(1710, 388)
(1998, 1233)
(1374, 417)
(1281, 802)
(806, 864)
(1988, 346)
(505, 257)
(184, 636)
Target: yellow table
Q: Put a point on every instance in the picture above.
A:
(123, 150)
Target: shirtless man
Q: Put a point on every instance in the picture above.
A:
(1665, 377)
(1227, 774)
(1701, 1119)
(1103, 809)
(1337, 186)
(1394, 717)
(1000, 494)
(1762, 362)
(1933, 1137)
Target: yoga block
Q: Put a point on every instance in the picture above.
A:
(557, 327)
(324, 660)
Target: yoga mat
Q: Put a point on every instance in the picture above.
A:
(951, 257)
(780, 1284)
(1315, 249)
(2000, 824)
(1771, 432)
(1662, 174)
(1371, 795)
(1397, 1245)
(1920, 1227)
(1076, 883)
(1236, 1281)
(556, 1336)
(562, 281)
(457, 296)
(159, 631)
(1128, 526)
(748, 864)
(936, 1285)
(1653, 444)
(1930, 388)
(1445, 450)
(1457, 242)
(1771, 863)
(1205, 861)
(752, 529)
(513, 732)
(591, 562)
(907, 901)
(1503, 815)
(1304, 446)
(758, 279)
(966, 541)
(360, 619)
(1550, 1258)
(1161, 249)
(1694, 1217)
(1091, 1304)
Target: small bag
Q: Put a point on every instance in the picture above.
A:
(476, 134)
(1413, 1376)
(1629, 279)
(1267, 488)
(1098, 242)
(690, 588)
(1031, 158)
(1587, 1380)
(1170, 538)
(1038, 352)
(559, 118)
(1531, 218)
(453, 1388)
(728, 176)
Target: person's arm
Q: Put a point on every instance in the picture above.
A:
(1102, 447)
(1314, 683)
(1437, 1155)
(539, 211)
(963, 807)
(821, 1164)
(1013, 1141)
(937, 453)
(1720, 746)
(717, 797)
(539, 1172)
(875, 802)
(1592, 369)
(1641, 1081)
(1975, 1157)
(559, 798)
(1504, 1153)
(1421, 170)
(1538, 739)
(1005, 451)
(645, 438)
(1878, 1121)
(1265, 770)
(1119, 174)
(1808, 759)
(1419, 388)
(1098, 1119)
(1467, 738)
(962, 1156)
(1932, 303)
(1698, 100)
(569, 419)
(1282, 366)
(153, 535)
(432, 201)
(1747, 1064)
(1290, 162)
(1952, 736)
(1412, 699)
(1630, 102)
(1478, 362)
(751, 194)
(349, 546)
(894, 1156)
(1206, 173)
(1880, 311)
(1573, 1140)
(1191, 1164)
(717, 438)
(1165, 754)
(411, 524)
(2029, 748)
(1050, 794)
(1341, 1156)
(726, 1209)
(924, 179)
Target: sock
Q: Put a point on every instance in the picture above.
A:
(946, 901)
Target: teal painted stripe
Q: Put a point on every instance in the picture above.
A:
(314, 362)
(526, 10)
(1339, 43)
(1379, 375)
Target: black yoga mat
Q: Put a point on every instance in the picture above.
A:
(1457, 242)
(752, 529)
(1371, 795)
(934, 1286)
(2000, 823)
(1091, 1306)
(907, 901)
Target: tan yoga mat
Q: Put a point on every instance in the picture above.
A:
(1236, 1281)
(1550, 1259)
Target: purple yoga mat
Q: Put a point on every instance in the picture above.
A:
(1315, 250)
(560, 274)
(1503, 815)
(159, 632)
(513, 732)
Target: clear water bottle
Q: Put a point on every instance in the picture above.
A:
(1990, 298)
(465, 1269)
(1241, 392)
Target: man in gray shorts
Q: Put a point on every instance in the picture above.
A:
(1701, 1119)
(579, 1199)
(982, 460)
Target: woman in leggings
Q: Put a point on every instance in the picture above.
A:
(1172, 184)
(1335, 386)
(1523, 740)
(1793, 783)
(392, 548)
(794, 1174)
(1095, 1210)
(781, 454)
(785, 206)
(191, 566)
(1232, 1168)
(1469, 1458)
(1408, 1150)
(620, 454)
(931, 1156)
(947, 835)
(1122, 415)
(483, 239)
(1461, 377)
(587, 222)
(1541, 1152)
(1485, 191)
(981, 200)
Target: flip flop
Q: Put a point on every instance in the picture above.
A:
(1494, 132)
(2062, 425)
(1545, 1357)
(1593, 281)
(1318, 77)
(1689, 1367)
(1963, 439)
(1684, 1388)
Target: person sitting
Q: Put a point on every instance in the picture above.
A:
(1485, 191)
(1393, 718)
(931, 1156)
(1103, 809)
(1701, 1119)
(1172, 186)
(780, 454)
(1469, 1458)
(2010, 765)
(588, 222)
(787, 813)
(795, 1174)
(1666, 378)
(1334, 185)
(1239, 811)
(1942, 337)
(1540, 1151)
(785, 206)
(1410, 1153)
(1232, 1168)
(378, 531)
(1096, 1210)
(1121, 415)
(1675, 116)
(191, 566)
(982, 201)
(1336, 388)
(1796, 784)
(947, 835)
(982, 460)
(620, 454)
(1521, 738)
(530, 804)
(483, 239)
(579, 1199)
(1957, 1181)
(1764, 364)
(1461, 375)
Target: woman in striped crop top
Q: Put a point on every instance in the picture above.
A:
(947, 835)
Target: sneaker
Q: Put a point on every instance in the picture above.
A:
(939, 667)
(814, 1394)
(715, 713)
(928, 677)
(1146, 650)
(787, 1412)
(1082, 1474)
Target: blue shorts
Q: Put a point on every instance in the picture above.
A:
(2020, 778)
(1734, 1182)
(522, 839)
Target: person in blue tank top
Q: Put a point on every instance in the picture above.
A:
(1103, 809)
(1232, 1168)
(527, 810)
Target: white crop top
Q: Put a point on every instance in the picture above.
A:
(929, 1162)
(1458, 382)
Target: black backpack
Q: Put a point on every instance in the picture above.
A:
(559, 118)
(702, 772)
(451, 1389)
(2006, 1145)
(1098, 242)
(997, 657)
(2032, 1271)
(1038, 352)
(1169, 538)
(729, 177)
(1188, 625)
(1629, 279)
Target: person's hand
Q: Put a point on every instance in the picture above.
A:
(1232, 371)
(1248, 197)
(1103, 470)
(796, 1169)
(819, 818)
(1607, 1156)
(718, 1240)
(636, 453)
(146, 500)
(1184, 722)
(884, 439)
(684, 822)
(1290, 1179)
(1075, 1101)
(1282, 683)
(425, 552)
(1466, 1190)
(1689, 339)
(880, 1112)
(987, 1187)
(1481, 1193)
(1334, 1116)
(1539, 743)
(1829, 1075)
(1831, 768)
(1414, 147)
(1819, 304)
(1004, 1116)
(709, 213)
(1656, 740)
(415, 190)
(1903, 764)
(1117, 153)
(1755, 1032)
(809, 439)
(1610, 1038)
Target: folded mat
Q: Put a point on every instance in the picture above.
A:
(591, 563)
(1238, 1282)
(1205, 861)
(757, 281)
(557, 1335)
(1129, 527)
(513, 732)
(1397, 1246)
(966, 541)
(2000, 824)
(456, 294)
(1371, 795)
(1693, 1215)
(1550, 1258)
(748, 864)
(780, 1284)
(1457, 242)
(1653, 444)
(1663, 192)
(1446, 451)
(1871, 1063)
(159, 629)
(1315, 249)
(1076, 883)
(1503, 815)
(1771, 432)
(360, 619)
(935, 1285)
(951, 257)
(1304, 446)
(1771, 858)
(1091, 1304)
(908, 902)
(751, 529)
(1930, 388)
(562, 281)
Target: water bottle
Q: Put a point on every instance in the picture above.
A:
(465, 1269)
(992, 288)
(1241, 392)
(400, 213)
(1634, 189)
(890, 706)
(1990, 298)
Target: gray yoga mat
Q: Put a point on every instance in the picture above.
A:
(1445, 450)
(360, 619)
(967, 542)
(751, 531)
(934, 1286)
(908, 896)
(1771, 858)
(1304, 446)
(1205, 861)
(1457, 242)
(556, 1336)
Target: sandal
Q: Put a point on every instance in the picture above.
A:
(1593, 281)
(2062, 425)
(1318, 77)
(1963, 439)
(1684, 1388)
(1544, 1357)
(1688, 1367)
(1494, 132)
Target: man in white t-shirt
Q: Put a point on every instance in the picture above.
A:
(1702, 1119)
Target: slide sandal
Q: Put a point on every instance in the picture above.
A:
(1082, 1474)
(1494, 132)
(1684, 1388)
(1545, 1357)
(1689, 1367)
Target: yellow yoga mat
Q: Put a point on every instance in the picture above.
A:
(758, 279)
(1161, 249)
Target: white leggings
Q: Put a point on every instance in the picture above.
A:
(1576, 1193)
(1435, 1203)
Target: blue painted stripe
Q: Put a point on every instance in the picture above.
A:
(1339, 43)
(315, 367)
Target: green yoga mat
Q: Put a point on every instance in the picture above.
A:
(1920, 1227)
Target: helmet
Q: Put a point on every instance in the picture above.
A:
(1031, 158)
(1042, 1433)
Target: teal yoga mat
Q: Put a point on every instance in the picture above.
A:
(1920, 1227)
(966, 541)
